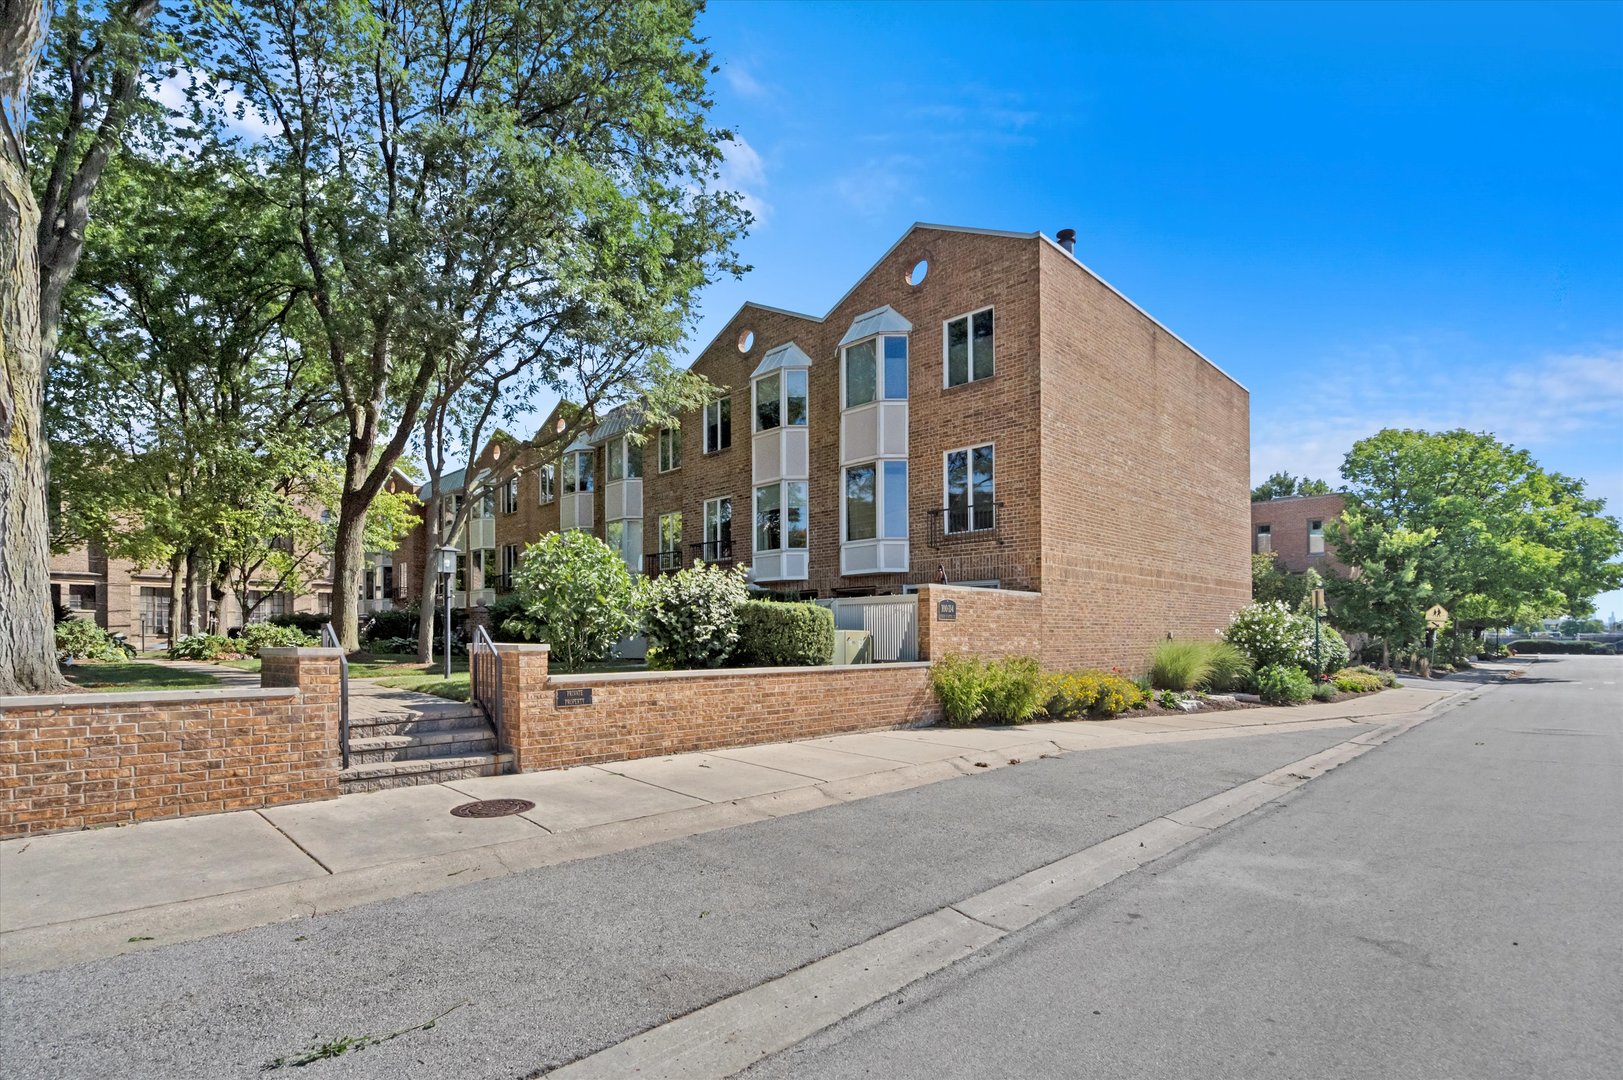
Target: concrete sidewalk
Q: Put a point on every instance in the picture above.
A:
(194, 877)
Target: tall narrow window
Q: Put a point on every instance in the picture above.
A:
(718, 425)
(670, 449)
(794, 514)
(768, 406)
(1315, 537)
(718, 530)
(895, 499)
(510, 496)
(860, 374)
(969, 348)
(617, 460)
(970, 490)
(861, 503)
(1265, 539)
(670, 541)
(633, 460)
(768, 518)
(547, 482)
(794, 397)
(896, 368)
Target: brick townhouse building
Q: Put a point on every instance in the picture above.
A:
(1299, 532)
(978, 408)
(127, 598)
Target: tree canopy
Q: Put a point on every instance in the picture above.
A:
(1282, 485)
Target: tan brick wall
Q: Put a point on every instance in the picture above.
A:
(1145, 474)
(1288, 519)
(987, 622)
(645, 715)
(76, 761)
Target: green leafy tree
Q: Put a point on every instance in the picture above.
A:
(1461, 519)
(576, 596)
(1282, 485)
(557, 149)
(1270, 581)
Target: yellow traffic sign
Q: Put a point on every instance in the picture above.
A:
(1436, 616)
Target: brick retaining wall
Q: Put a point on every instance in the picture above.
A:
(72, 761)
(986, 622)
(638, 714)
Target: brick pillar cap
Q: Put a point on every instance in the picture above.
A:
(522, 647)
(300, 653)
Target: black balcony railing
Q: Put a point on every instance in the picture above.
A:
(976, 521)
(719, 552)
(662, 562)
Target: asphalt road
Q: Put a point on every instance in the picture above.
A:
(1447, 908)
(541, 968)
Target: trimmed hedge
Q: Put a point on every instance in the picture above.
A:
(1569, 648)
(310, 622)
(773, 634)
(394, 623)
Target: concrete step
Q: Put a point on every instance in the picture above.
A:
(371, 750)
(410, 723)
(432, 770)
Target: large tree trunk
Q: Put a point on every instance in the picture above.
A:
(349, 563)
(426, 565)
(177, 567)
(27, 623)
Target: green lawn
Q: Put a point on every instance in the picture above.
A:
(135, 676)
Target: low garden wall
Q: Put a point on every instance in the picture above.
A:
(555, 721)
(71, 761)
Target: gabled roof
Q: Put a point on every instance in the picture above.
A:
(881, 320)
(784, 356)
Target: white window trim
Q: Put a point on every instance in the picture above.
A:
(878, 371)
(782, 375)
(543, 497)
(704, 525)
(946, 501)
(946, 383)
(783, 515)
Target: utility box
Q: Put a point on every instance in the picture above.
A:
(853, 647)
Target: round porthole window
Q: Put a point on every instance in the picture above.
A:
(746, 341)
(915, 276)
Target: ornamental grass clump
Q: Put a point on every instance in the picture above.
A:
(1181, 665)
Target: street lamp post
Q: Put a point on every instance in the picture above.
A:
(447, 571)
(1318, 647)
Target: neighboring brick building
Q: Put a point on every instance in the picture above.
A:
(1299, 530)
(1005, 419)
(124, 598)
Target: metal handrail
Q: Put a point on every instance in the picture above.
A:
(329, 639)
(485, 680)
(976, 520)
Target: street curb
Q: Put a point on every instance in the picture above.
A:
(730, 1035)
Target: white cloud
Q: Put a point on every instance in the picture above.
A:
(744, 171)
(238, 116)
(875, 185)
(743, 83)
(1556, 399)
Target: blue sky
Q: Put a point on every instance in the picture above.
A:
(1370, 215)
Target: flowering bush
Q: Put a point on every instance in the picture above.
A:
(691, 616)
(1270, 633)
(576, 595)
(1100, 693)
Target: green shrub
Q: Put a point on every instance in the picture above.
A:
(1356, 682)
(203, 647)
(776, 634)
(1283, 684)
(691, 616)
(256, 636)
(82, 639)
(1181, 665)
(1230, 671)
(395, 623)
(576, 595)
(396, 645)
(1332, 653)
(958, 682)
(1324, 692)
(1168, 699)
(1012, 691)
(1570, 648)
(310, 622)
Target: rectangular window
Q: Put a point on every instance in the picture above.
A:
(510, 496)
(718, 425)
(1265, 539)
(860, 384)
(617, 460)
(487, 504)
(970, 490)
(895, 500)
(547, 483)
(670, 541)
(670, 449)
(578, 472)
(794, 514)
(768, 407)
(155, 609)
(81, 597)
(633, 460)
(896, 368)
(1315, 537)
(794, 397)
(509, 559)
(861, 503)
(768, 518)
(969, 348)
(388, 581)
(718, 530)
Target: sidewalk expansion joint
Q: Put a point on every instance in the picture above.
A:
(294, 842)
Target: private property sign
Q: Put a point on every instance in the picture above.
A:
(581, 695)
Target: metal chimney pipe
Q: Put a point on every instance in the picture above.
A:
(1067, 240)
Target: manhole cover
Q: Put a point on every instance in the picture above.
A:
(492, 808)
